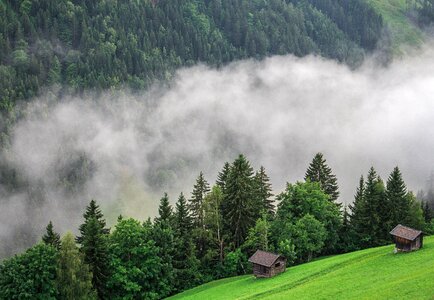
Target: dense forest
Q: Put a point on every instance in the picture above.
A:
(104, 44)
(211, 233)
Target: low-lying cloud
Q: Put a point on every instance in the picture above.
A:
(125, 150)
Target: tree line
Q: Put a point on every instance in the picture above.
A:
(211, 234)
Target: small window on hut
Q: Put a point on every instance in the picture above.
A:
(277, 264)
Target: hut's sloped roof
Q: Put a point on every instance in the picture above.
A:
(264, 258)
(405, 232)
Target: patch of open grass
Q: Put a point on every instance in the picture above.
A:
(403, 32)
(374, 273)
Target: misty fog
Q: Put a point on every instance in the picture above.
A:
(131, 148)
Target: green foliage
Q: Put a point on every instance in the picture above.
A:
(50, 237)
(299, 200)
(200, 189)
(214, 228)
(31, 275)
(257, 239)
(164, 210)
(235, 263)
(378, 209)
(238, 204)
(263, 192)
(94, 246)
(309, 236)
(137, 269)
(74, 280)
(110, 43)
(319, 171)
(182, 218)
(163, 236)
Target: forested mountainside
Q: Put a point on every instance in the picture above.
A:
(102, 44)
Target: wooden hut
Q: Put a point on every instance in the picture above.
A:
(406, 238)
(266, 264)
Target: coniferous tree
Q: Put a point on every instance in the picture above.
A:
(427, 213)
(263, 193)
(92, 211)
(164, 210)
(223, 176)
(182, 220)
(186, 265)
(396, 196)
(201, 188)
(376, 209)
(358, 217)
(319, 171)
(74, 280)
(94, 245)
(370, 212)
(50, 237)
(238, 200)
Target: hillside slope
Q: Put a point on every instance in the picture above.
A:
(374, 273)
(403, 32)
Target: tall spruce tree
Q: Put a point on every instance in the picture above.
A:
(94, 245)
(185, 263)
(51, 237)
(427, 213)
(182, 220)
(369, 218)
(164, 210)
(358, 218)
(319, 171)
(263, 193)
(93, 211)
(399, 204)
(238, 201)
(200, 189)
(223, 176)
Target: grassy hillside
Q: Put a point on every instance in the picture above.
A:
(403, 32)
(374, 273)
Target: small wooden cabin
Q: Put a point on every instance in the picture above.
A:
(406, 238)
(267, 264)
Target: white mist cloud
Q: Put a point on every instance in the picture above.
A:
(279, 112)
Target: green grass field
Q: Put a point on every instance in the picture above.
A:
(404, 33)
(374, 273)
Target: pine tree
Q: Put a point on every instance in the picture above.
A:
(263, 193)
(50, 237)
(164, 210)
(92, 211)
(427, 213)
(396, 196)
(374, 199)
(238, 200)
(74, 280)
(223, 176)
(182, 218)
(358, 217)
(346, 233)
(185, 263)
(94, 246)
(201, 188)
(319, 171)
(369, 211)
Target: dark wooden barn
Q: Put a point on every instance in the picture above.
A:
(406, 238)
(266, 264)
